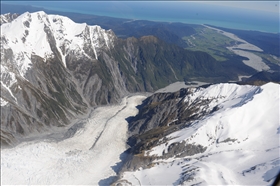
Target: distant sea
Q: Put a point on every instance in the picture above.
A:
(167, 11)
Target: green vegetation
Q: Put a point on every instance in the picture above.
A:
(210, 41)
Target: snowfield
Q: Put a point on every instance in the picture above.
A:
(29, 35)
(84, 159)
(242, 141)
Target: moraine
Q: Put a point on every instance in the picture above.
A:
(73, 160)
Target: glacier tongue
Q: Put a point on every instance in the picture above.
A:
(73, 161)
(241, 141)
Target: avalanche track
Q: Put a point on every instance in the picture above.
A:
(85, 158)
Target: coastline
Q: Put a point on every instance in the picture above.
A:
(132, 12)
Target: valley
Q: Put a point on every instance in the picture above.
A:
(210, 41)
(89, 156)
(221, 44)
(79, 66)
(253, 60)
(96, 100)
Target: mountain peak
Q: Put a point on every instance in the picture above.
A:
(42, 34)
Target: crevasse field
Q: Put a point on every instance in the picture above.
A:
(85, 158)
(242, 140)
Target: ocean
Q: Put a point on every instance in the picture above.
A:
(167, 11)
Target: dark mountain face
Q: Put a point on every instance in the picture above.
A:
(168, 32)
(162, 114)
(262, 77)
(93, 67)
(198, 124)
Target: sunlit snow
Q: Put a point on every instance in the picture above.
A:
(37, 34)
(73, 161)
(27, 36)
(242, 140)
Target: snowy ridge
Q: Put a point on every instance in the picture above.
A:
(27, 33)
(6, 18)
(32, 34)
(225, 95)
(241, 141)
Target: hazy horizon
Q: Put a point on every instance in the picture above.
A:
(224, 14)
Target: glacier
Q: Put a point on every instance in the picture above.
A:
(241, 137)
(241, 140)
(73, 161)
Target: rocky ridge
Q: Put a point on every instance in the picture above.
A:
(53, 71)
(7, 18)
(193, 134)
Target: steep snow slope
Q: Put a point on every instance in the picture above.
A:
(241, 141)
(85, 158)
(46, 36)
(33, 34)
(50, 74)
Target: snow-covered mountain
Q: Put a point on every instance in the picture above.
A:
(40, 34)
(46, 36)
(225, 134)
(46, 62)
(53, 71)
(7, 18)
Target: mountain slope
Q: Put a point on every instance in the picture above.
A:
(222, 134)
(54, 70)
(7, 18)
(36, 88)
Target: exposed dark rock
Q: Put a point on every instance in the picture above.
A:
(160, 115)
(7, 18)
(183, 149)
(26, 23)
(57, 89)
(227, 140)
(134, 162)
(263, 77)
